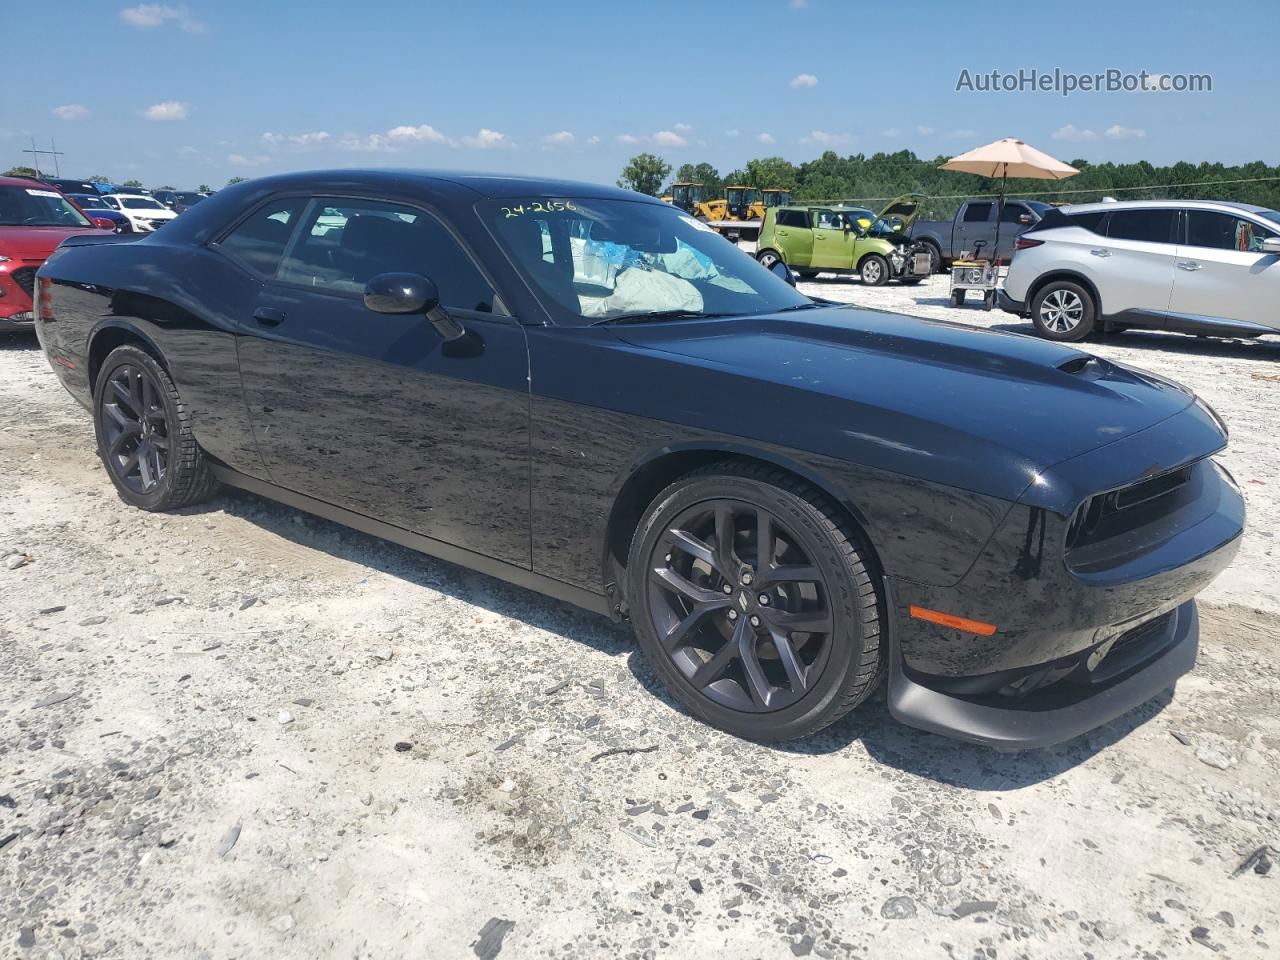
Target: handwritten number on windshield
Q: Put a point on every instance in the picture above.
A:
(537, 206)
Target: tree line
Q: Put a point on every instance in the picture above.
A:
(98, 178)
(881, 176)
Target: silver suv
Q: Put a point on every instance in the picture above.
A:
(1194, 266)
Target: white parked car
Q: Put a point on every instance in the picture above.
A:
(1194, 266)
(145, 213)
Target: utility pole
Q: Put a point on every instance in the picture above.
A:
(37, 154)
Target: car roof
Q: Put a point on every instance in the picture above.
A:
(1161, 204)
(487, 185)
(25, 182)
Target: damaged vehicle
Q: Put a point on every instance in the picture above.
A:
(588, 393)
(848, 240)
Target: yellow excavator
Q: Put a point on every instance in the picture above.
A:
(740, 203)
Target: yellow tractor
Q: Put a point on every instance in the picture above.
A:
(773, 197)
(686, 196)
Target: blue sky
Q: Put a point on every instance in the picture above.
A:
(196, 92)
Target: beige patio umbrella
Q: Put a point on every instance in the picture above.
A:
(1007, 158)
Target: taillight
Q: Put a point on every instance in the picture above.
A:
(1026, 243)
(44, 296)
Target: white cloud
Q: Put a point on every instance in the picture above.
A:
(1156, 83)
(925, 131)
(166, 110)
(486, 139)
(560, 139)
(732, 133)
(766, 138)
(296, 139)
(826, 138)
(1073, 134)
(628, 138)
(423, 133)
(592, 141)
(71, 111)
(665, 138)
(804, 80)
(146, 16)
(240, 160)
(682, 127)
(1117, 132)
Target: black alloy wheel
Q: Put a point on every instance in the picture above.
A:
(753, 603)
(144, 434)
(134, 428)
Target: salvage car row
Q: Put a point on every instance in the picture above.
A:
(588, 393)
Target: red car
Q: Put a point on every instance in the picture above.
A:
(34, 219)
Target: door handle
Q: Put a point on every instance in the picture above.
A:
(269, 316)
(1190, 265)
(1100, 252)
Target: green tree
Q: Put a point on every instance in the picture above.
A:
(646, 173)
(234, 180)
(204, 188)
(97, 178)
(771, 172)
(705, 174)
(132, 183)
(167, 186)
(21, 172)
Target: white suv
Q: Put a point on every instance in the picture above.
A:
(145, 213)
(1194, 266)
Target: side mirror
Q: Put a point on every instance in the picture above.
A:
(1025, 219)
(782, 271)
(1271, 245)
(102, 223)
(406, 293)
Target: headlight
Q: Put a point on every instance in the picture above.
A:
(1213, 415)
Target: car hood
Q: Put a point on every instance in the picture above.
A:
(36, 243)
(907, 207)
(928, 398)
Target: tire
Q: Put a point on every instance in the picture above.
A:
(123, 226)
(935, 258)
(160, 466)
(807, 274)
(874, 270)
(1063, 310)
(957, 298)
(767, 258)
(724, 640)
(911, 281)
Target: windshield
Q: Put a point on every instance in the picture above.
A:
(140, 203)
(190, 199)
(88, 202)
(1272, 215)
(35, 207)
(592, 260)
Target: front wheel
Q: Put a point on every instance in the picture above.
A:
(874, 270)
(144, 434)
(751, 598)
(1063, 311)
(767, 258)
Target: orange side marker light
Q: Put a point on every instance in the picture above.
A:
(950, 620)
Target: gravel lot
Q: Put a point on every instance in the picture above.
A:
(243, 732)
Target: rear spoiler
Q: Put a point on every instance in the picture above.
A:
(92, 239)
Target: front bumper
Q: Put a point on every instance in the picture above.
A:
(17, 280)
(1062, 711)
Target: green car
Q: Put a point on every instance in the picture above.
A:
(844, 239)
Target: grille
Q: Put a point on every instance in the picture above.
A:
(26, 279)
(1141, 632)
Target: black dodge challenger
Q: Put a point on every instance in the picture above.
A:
(590, 394)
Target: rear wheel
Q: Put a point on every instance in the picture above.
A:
(1063, 310)
(874, 270)
(144, 434)
(751, 598)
